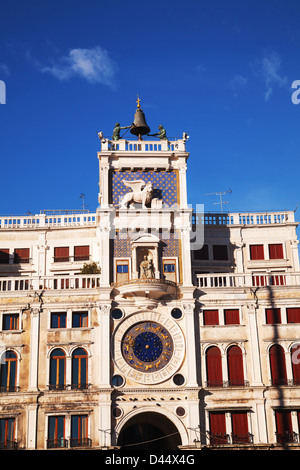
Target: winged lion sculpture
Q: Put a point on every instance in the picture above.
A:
(138, 195)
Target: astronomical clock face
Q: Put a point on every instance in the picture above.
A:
(148, 347)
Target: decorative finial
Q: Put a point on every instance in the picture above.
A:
(138, 102)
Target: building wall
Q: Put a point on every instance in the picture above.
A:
(116, 392)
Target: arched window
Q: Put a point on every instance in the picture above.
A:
(214, 367)
(235, 366)
(277, 364)
(79, 368)
(295, 355)
(57, 370)
(8, 376)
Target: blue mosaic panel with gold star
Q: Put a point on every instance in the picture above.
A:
(165, 185)
(122, 243)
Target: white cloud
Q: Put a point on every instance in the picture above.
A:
(270, 70)
(94, 65)
(237, 81)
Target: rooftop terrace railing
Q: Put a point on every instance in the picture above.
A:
(124, 145)
(33, 283)
(237, 280)
(90, 219)
(244, 218)
(42, 220)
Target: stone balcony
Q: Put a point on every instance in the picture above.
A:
(146, 292)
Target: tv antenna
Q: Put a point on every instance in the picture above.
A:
(82, 196)
(221, 194)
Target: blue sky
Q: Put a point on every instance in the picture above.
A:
(220, 70)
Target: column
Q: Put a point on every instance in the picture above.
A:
(104, 346)
(182, 186)
(104, 172)
(255, 355)
(239, 257)
(261, 420)
(34, 348)
(42, 256)
(102, 359)
(31, 426)
(194, 423)
(295, 254)
(105, 429)
(105, 255)
(186, 256)
(190, 344)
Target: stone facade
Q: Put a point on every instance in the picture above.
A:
(201, 352)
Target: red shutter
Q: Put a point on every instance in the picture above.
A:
(61, 253)
(232, 317)
(276, 251)
(81, 253)
(278, 280)
(284, 426)
(240, 431)
(235, 366)
(21, 255)
(295, 353)
(293, 315)
(4, 256)
(217, 425)
(259, 281)
(257, 252)
(277, 363)
(211, 317)
(214, 367)
(273, 316)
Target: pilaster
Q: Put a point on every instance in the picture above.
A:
(34, 348)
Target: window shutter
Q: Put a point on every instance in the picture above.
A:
(273, 316)
(81, 253)
(276, 251)
(278, 367)
(21, 255)
(259, 281)
(201, 254)
(4, 256)
(257, 252)
(239, 422)
(235, 366)
(295, 352)
(232, 317)
(61, 253)
(217, 425)
(283, 425)
(214, 367)
(220, 252)
(293, 315)
(211, 317)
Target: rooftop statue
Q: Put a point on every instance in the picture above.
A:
(161, 134)
(116, 131)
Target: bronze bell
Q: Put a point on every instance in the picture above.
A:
(139, 126)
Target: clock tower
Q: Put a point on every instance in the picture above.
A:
(147, 305)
